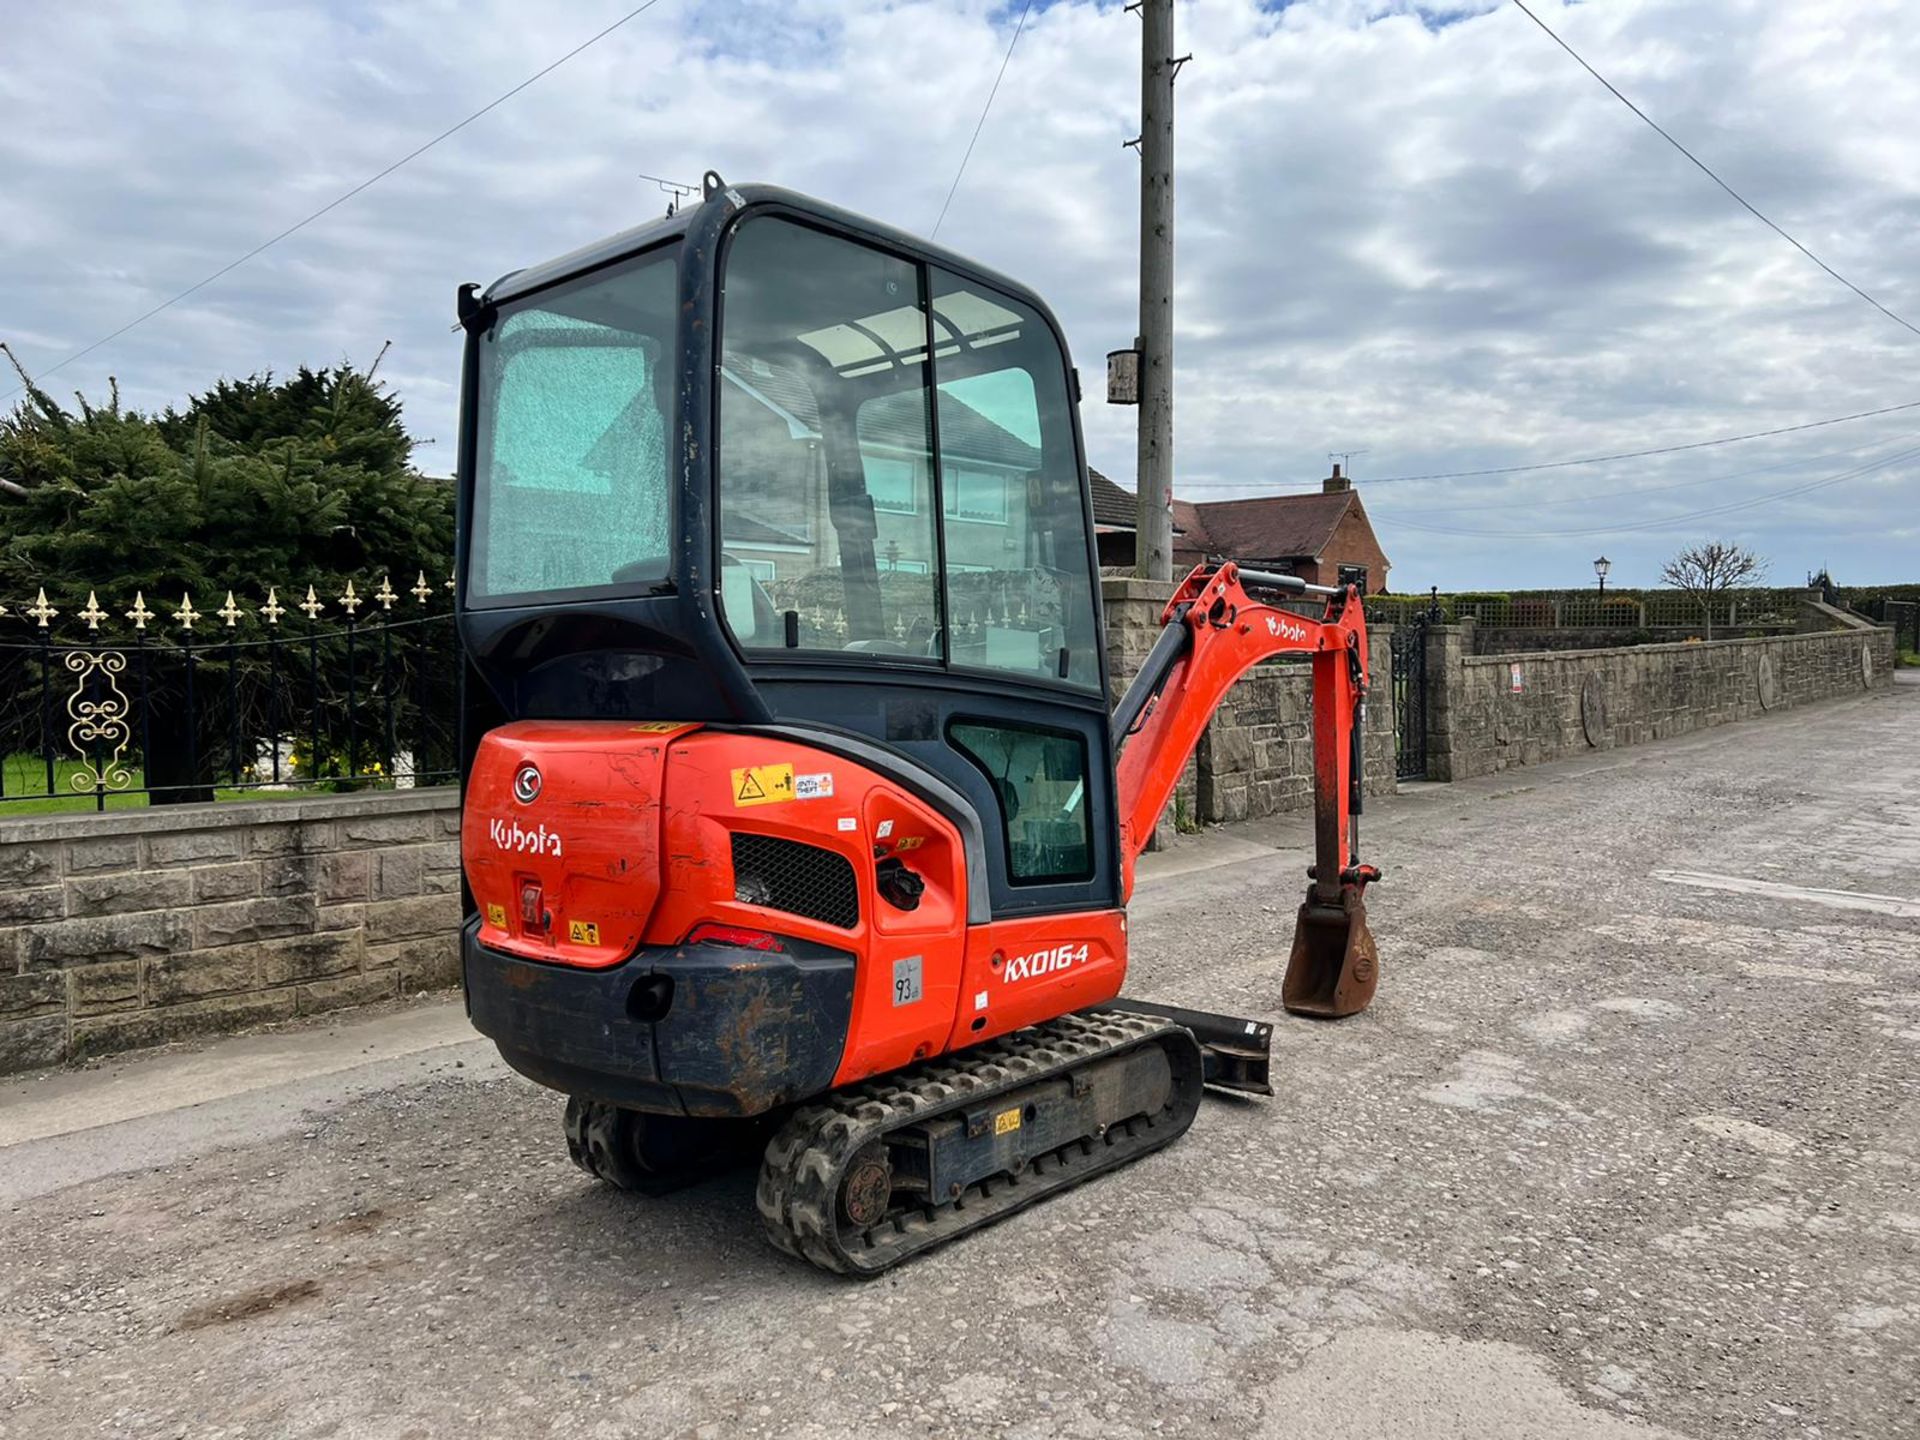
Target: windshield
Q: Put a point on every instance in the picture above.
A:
(570, 471)
(897, 469)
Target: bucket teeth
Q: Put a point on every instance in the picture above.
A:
(1334, 967)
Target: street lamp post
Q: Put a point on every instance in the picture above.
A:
(1600, 568)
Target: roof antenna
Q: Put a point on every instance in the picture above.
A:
(675, 191)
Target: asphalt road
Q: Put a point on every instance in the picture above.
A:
(1628, 1146)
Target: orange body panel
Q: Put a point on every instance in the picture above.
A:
(848, 809)
(630, 839)
(1023, 972)
(590, 838)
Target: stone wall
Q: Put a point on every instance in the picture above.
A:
(139, 927)
(1569, 702)
(1256, 757)
(1495, 640)
(1133, 609)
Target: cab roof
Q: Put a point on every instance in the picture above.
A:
(705, 221)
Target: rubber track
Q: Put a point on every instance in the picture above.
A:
(800, 1177)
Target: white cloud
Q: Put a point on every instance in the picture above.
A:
(1417, 231)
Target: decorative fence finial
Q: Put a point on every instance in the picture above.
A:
(186, 614)
(386, 594)
(230, 612)
(139, 614)
(273, 609)
(93, 614)
(349, 602)
(422, 591)
(313, 604)
(41, 610)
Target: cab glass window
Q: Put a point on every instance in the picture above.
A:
(1040, 779)
(1019, 583)
(825, 444)
(570, 474)
(897, 468)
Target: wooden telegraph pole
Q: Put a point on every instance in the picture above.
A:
(1153, 545)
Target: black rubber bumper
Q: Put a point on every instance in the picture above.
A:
(690, 1030)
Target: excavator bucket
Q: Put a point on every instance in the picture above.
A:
(1334, 966)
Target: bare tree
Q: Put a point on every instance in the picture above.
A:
(1709, 570)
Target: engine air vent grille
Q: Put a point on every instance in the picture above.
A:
(799, 879)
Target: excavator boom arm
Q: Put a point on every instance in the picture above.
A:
(1216, 630)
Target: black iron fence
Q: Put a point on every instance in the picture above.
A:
(167, 703)
(1903, 616)
(1759, 609)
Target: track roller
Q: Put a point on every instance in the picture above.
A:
(872, 1175)
(653, 1154)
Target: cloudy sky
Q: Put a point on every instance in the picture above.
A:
(1411, 230)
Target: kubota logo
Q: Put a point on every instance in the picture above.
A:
(526, 784)
(1285, 629)
(1044, 962)
(511, 835)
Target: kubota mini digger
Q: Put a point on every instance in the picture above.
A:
(808, 826)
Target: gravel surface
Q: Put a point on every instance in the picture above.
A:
(1628, 1146)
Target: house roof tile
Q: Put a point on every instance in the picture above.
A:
(1266, 527)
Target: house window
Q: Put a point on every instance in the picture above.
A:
(1355, 575)
(971, 493)
(890, 482)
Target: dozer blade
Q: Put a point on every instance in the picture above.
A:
(1334, 966)
(1238, 1053)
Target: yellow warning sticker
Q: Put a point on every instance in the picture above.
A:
(762, 784)
(497, 916)
(1006, 1121)
(657, 727)
(909, 842)
(583, 932)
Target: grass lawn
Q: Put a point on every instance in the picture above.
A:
(25, 789)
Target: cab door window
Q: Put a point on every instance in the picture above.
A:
(1039, 778)
(1018, 583)
(826, 446)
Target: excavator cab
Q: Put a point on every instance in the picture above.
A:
(793, 766)
(766, 463)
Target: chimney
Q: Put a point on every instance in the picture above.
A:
(1335, 483)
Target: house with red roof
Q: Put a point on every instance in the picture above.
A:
(1324, 538)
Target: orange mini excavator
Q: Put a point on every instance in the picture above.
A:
(797, 817)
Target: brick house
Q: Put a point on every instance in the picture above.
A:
(1325, 539)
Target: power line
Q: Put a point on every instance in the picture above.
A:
(981, 124)
(1605, 459)
(1704, 169)
(1666, 521)
(341, 200)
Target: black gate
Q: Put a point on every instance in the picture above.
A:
(1410, 700)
